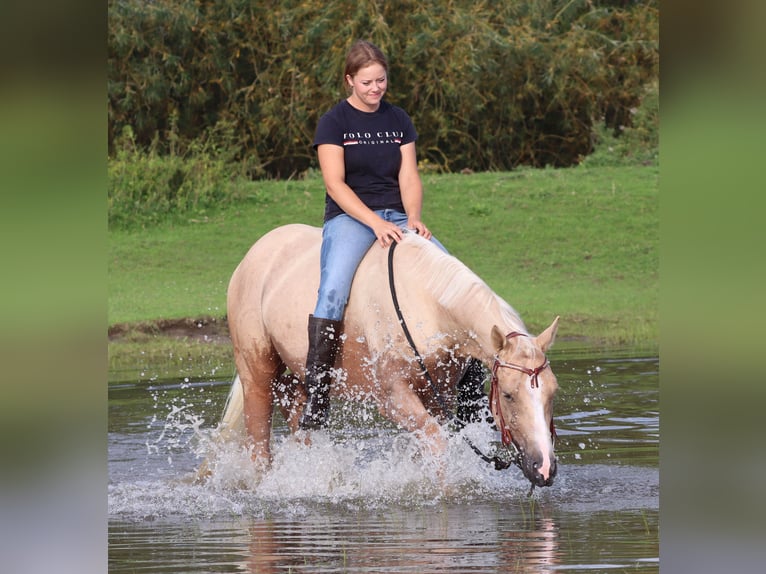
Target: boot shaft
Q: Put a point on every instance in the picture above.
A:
(324, 340)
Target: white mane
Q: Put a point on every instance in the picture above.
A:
(459, 290)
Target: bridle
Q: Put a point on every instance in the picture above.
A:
(505, 432)
(494, 391)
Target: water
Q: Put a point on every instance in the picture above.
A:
(363, 498)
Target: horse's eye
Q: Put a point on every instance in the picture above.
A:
(508, 396)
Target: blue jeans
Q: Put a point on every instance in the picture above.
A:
(345, 242)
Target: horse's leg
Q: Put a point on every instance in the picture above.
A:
(257, 374)
(403, 406)
(290, 396)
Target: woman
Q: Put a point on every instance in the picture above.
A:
(366, 151)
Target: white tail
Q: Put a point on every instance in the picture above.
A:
(231, 427)
(233, 421)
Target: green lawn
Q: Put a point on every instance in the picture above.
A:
(582, 243)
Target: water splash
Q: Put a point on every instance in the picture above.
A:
(363, 462)
(380, 468)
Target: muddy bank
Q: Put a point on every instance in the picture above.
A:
(211, 329)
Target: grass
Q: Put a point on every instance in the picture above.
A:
(582, 243)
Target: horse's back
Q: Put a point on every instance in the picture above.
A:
(280, 244)
(275, 255)
(274, 287)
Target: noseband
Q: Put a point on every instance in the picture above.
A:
(494, 392)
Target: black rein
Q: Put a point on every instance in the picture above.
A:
(499, 463)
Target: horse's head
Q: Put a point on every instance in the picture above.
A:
(523, 388)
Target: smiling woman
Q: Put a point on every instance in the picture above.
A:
(366, 151)
(367, 86)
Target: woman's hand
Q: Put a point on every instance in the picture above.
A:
(386, 232)
(419, 227)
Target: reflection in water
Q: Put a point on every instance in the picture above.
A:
(450, 538)
(428, 540)
(265, 551)
(533, 550)
(361, 501)
(401, 542)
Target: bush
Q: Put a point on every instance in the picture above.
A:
(145, 187)
(635, 144)
(489, 85)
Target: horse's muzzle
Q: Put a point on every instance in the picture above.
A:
(531, 470)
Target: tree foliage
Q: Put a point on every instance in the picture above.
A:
(490, 85)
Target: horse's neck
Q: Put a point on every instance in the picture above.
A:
(478, 314)
(471, 307)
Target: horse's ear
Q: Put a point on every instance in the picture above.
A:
(546, 338)
(498, 339)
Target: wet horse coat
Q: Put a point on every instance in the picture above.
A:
(452, 316)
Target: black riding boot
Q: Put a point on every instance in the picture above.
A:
(324, 339)
(472, 402)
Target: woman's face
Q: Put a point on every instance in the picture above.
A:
(368, 86)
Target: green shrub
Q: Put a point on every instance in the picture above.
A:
(145, 187)
(490, 86)
(636, 144)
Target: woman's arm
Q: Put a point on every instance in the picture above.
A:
(412, 189)
(333, 170)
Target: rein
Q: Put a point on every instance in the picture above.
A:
(498, 462)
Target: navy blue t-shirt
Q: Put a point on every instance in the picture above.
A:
(370, 142)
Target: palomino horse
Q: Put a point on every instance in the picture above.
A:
(452, 316)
